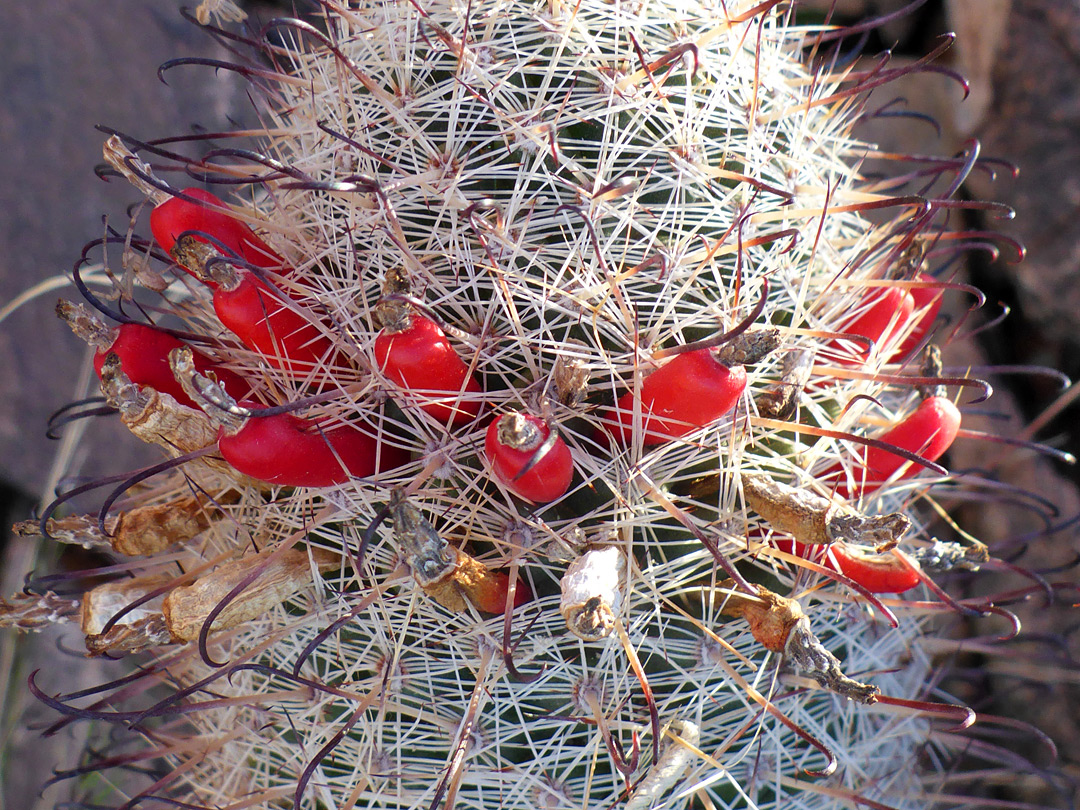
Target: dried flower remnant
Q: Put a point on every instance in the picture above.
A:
(142, 530)
(750, 347)
(125, 616)
(35, 612)
(781, 626)
(943, 555)
(681, 737)
(811, 518)
(808, 653)
(266, 580)
(780, 400)
(194, 256)
(132, 615)
(153, 417)
(78, 530)
(219, 10)
(448, 575)
(592, 592)
(570, 378)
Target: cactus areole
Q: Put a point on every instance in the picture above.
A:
(518, 513)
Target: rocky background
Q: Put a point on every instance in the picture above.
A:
(66, 67)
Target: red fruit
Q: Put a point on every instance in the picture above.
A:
(927, 301)
(693, 390)
(266, 322)
(512, 442)
(878, 573)
(420, 359)
(144, 358)
(287, 450)
(929, 431)
(883, 312)
(490, 594)
(143, 352)
(176, 216)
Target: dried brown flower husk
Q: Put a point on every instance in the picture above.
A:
(280, 576)
(34, 612)
(592, 592)
(140, 627)
(450, 576)
(141, 530)
(811, 518)
(780, 625)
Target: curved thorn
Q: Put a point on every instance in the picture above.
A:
(952, 711)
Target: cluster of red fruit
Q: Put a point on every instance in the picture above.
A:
(928, 431)
(693, 389)
(414, 353)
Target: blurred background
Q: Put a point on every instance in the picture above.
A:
(67, 66)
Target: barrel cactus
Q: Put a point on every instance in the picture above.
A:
(552, 414)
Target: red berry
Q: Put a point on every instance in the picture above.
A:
(176, 216)
(490, 595)
(513, 442)
(266, 321)
(929, 431)
(883, 312)
(926, 306)
(144, 358)
(419, 358)
(878, 573)
(692, 390)
(287, 450)
(143, 352)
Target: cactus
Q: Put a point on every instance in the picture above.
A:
(642, 227)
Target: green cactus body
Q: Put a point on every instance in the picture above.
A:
(573, 192)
